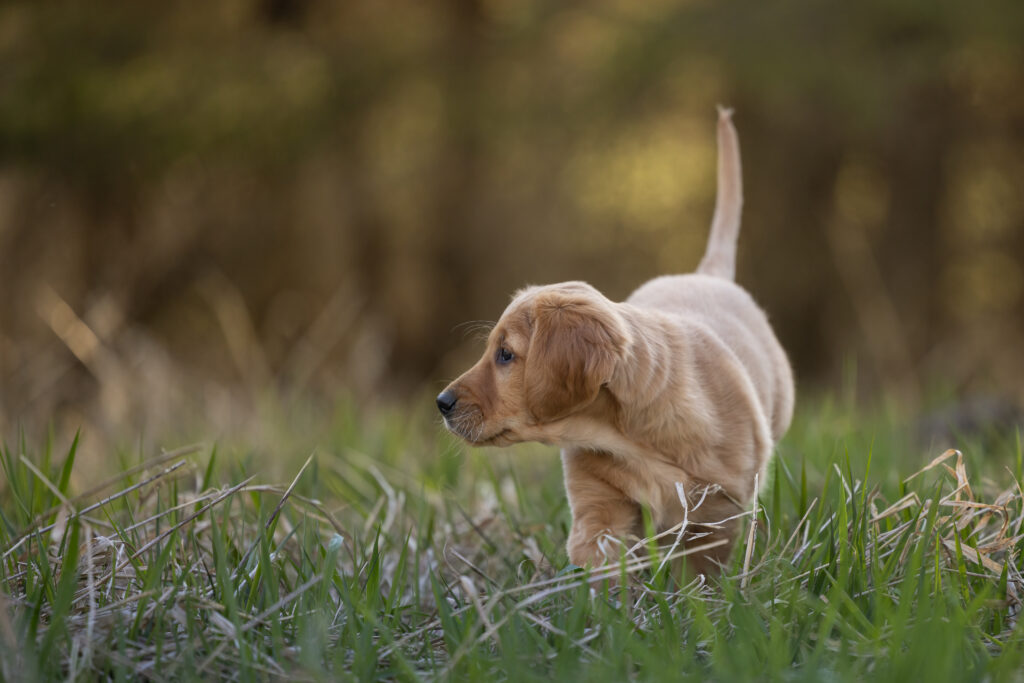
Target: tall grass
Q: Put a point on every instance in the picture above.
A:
(393, 553)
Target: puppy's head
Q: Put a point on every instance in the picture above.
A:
(546, 360)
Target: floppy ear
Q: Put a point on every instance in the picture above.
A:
(574, 349)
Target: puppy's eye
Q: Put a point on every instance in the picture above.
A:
(504, 356)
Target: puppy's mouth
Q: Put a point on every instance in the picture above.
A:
(471, 431)
(493, 440)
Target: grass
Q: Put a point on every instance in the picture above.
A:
(393, 553)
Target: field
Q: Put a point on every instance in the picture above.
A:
(390, 552)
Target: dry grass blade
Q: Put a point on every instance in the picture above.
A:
(749, 553)
(961, 477)
(479, 572)
(262, 617)
(470, 589)
(581, 644)
(906, 502)
(124, 563)
(973, 555)
(801, 523)
(683, 525)
(934, 463)
(155, 461)
(277, 510)
(46, 480)
(288, 492)
(227, 494)
(86, 510)
(323, 516)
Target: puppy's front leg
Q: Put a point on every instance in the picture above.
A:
(598, 508)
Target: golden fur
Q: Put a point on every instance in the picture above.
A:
(684, 382)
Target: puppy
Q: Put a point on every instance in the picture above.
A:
(679, 392)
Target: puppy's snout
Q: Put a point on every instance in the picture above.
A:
(446, 401)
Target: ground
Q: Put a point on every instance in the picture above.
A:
(395, 553)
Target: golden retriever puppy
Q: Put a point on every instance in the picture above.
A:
(673, 397)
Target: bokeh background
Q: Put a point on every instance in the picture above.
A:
(203, 204)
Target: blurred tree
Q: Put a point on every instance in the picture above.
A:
(316, 195)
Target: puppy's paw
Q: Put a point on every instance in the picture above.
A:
(585, 552)
(599, 553)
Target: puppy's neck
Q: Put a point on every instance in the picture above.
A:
(653, 389)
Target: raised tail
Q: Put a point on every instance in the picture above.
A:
(720, 256)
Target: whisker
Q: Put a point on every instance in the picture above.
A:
(478, 328)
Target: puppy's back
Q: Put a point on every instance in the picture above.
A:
(728, 311)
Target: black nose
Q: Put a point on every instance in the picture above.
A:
(446, 401)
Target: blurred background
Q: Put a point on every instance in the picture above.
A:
(205, 204)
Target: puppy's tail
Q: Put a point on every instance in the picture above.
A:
(720, 256)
